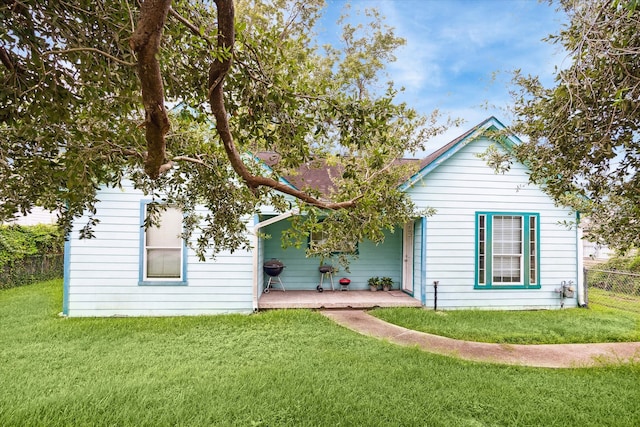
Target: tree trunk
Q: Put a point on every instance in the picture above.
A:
(145, 42)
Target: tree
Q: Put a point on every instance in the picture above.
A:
(72, 118)
(583, 140)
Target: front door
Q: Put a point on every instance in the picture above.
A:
(407, 258)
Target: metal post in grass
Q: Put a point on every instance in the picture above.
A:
(585, 274)
(435, 295)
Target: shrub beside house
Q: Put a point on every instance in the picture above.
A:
(29, 254)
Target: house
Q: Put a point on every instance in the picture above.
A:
(494, 242)
(36, 216)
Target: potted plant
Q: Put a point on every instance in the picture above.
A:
(374, 283)
(387, 283)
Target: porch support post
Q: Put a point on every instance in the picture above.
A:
(423, 261)
(256, 241)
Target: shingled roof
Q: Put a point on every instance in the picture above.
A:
(316, 174)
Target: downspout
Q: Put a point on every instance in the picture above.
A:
(256, 241)
(66, 271)
(66, 274)
(423, 261)
(580, 264)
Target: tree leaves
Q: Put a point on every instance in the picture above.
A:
(71, 116)
(583, 134)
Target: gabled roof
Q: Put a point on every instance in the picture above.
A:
(317, 175)
(435, 159)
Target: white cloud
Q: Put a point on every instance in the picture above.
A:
(460, 54)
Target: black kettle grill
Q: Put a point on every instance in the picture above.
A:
(273, 268)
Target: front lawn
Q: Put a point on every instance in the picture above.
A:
(575, 325)
(274, 368)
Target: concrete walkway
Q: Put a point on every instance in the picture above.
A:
(543, 355)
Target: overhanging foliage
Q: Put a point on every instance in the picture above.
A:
(72, 116)
(583, 134)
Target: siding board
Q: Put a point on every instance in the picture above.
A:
(104, 271)
(464, 185)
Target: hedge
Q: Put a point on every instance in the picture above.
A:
(29, 254)
(630, 263)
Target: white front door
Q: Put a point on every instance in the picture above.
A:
(407, 258)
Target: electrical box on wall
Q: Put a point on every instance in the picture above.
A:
(568, 290)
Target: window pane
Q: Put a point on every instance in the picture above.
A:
(318, 238)
(533, 251)
(506, 269)
(168, 234)
(163, 246)
(507, 249)
(481, 250)
(163, 263)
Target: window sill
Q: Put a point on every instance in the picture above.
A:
(162, 283)
(507, 287)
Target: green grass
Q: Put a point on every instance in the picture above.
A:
(575, 325)
(275, 368)
(623, 301)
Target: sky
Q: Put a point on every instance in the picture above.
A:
(460, 54)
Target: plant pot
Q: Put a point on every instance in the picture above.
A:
(386, 288)
(373, 288)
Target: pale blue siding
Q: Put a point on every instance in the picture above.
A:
(302, 273)
(464, 185)
(103, 273)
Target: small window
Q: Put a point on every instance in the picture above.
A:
(320, 237)
(163, 249)
(507, 250)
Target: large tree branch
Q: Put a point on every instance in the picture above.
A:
(191, 27)
(6, 60)
(145, 42)
(217, 73)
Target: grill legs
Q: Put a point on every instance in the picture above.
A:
(272, 281)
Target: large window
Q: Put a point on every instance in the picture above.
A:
(163, 249)
(507, 250)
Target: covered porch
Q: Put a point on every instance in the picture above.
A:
(328, 299)
(301, 275)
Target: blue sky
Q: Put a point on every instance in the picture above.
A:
(460, 53)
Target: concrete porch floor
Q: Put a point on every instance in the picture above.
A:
(335, 299)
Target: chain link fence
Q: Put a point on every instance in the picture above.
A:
(615, 289)
(31, 269)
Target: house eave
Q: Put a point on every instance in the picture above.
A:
(490, 125)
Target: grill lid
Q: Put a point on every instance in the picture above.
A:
(273, 263)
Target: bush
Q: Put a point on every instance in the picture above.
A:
(630, 264)
(31, 269)
(29, 254)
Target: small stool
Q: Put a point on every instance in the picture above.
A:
(326, 270)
